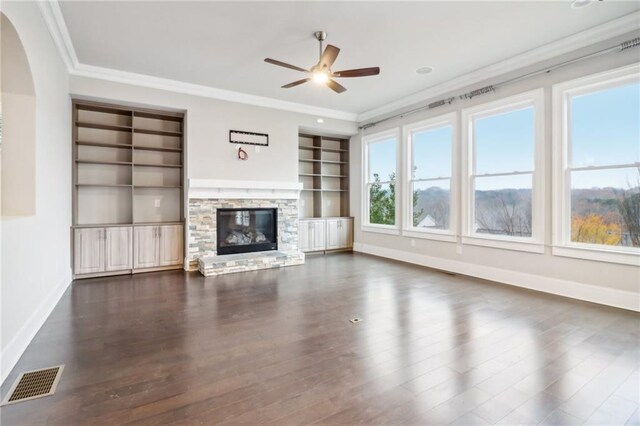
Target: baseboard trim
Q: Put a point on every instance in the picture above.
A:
(11, 354)
(572, 289)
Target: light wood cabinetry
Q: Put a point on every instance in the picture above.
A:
(171, 250)
(127, 171)
(339, 233)
(315, 235)
(323, 164)
(99, 250)
(88, 251)
(157, 246)
(118, 242)
(145, 246)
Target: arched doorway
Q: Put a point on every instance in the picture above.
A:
(17, 126)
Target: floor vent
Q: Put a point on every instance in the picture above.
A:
(34, 384)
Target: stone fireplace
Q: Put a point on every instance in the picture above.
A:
(209, 197)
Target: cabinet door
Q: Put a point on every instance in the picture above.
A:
(333, 234)
(145, 246)
(304, 234)
(88, 251)
(118, 254)
(346, 233)
(171, 247)
(317, 235)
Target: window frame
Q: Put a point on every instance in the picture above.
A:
(561, 180)
(535, 243)
(367, 140)
(450, 235)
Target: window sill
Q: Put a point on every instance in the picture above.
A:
(428, 235)
(599, 255)
(515, 244)
(381, 229)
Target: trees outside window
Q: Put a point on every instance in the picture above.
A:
(503, 185)
(380, 165)
(597, 166)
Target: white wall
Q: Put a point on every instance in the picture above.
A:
(209, 154)
(35, 249)
(607, 283)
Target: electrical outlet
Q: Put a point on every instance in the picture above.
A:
(459, 249)
(413, 243)
(257, 149)
(157, 203)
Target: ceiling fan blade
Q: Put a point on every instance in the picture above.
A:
(296, 83)
(360, 72)
(284, 64)
(328, 56)
(336, 87)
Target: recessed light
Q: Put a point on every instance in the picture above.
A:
(424, 70)
(579, 4)
(320, 120)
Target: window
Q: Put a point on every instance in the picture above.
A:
(597, 185)
(428, 203)
(503, 188)
(380, 170)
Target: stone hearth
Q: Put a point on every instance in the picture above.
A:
(230, 263)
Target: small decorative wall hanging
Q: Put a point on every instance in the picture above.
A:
(248, 138)
(242, 154)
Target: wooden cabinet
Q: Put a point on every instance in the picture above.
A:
(339, 233)
(88, 251)
(317, 235)
(118, 242)
(98, 250)
(311, 235)
(158, 246)
(325, 234)
(104, 250)
(171, 250)
(127, 169)
(145, 246)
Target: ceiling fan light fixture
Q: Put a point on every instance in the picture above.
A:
(320, 77)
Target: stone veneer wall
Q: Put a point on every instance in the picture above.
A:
(202, 224)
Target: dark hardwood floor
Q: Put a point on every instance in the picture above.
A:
(277, 347)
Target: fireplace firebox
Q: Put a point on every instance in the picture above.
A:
(246, 230)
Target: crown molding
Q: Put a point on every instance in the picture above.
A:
(54, 20)
(90, 71)
(52, 14)
(603, 32)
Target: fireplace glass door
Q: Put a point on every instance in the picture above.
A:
(246, 230)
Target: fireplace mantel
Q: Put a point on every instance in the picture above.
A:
(243, 189)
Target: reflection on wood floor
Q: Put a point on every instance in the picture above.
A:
(277, 347)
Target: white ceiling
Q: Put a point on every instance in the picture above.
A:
(223, 44)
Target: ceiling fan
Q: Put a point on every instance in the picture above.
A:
(321, 72)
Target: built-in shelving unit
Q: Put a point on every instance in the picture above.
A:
(127, 168)
(128, 165)
(324, 173)
(323, 169)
